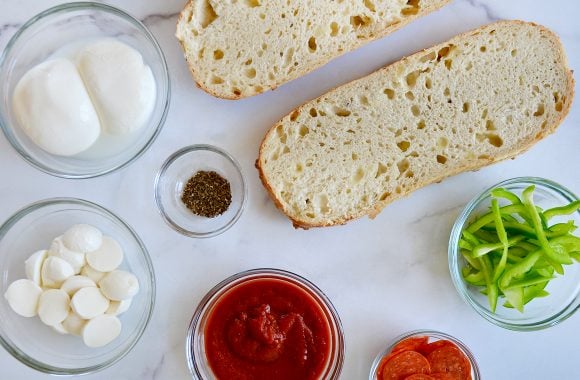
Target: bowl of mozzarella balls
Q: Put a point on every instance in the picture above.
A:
(78, 286)
(84, 90)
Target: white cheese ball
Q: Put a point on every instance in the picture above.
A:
(75, 283)
(118, 307)
(75, 259)
(55, 271)
(33, 266)
(53, 108)
(53, 306)
(22, 296)
(74, 324)
(89, 303)
(83, 238)
(101, 330)
(93, 274)
(107, 257)
(119, 285)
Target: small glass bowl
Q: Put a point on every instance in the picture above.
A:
(47, 33)
(541, 313)
(195, 342)
(172, 178)
(28, 339)
(433, 337)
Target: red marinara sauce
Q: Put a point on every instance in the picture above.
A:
(267, 329)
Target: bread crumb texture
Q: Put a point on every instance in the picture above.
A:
(240, 48)
(482, 97)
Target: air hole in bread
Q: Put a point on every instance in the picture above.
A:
(489, 125)
(312, 44)
(428, 83)
(441, 159)
(294, 115)
(205, 13)
(342, 112)
(514, 53)
(404, 145)
(412, 8)
(403, 165)
(250, 73)
(409, 95)
(310, 215)
(484, 157)
(447, 92)
(469, 66)
(559, 106)
(411, 78)
(218, 54)
(298, 168)
(429, 57)
(415, 110)
(370, 6)
(442, 142)
(381, 169)
(304, 130)
(333, 29)
(384, 196)
(313, 112)
(409, 174)
(359, 21)
(262, 16)
(354, 156)
(236, 91)
(285, 150)
(363, 100)
(390, 93)
(323, 204)
(444, 52)
(483, 49)
(216, 80)
(252, 3)
(358, 175)
(448, 63)
(465, 107)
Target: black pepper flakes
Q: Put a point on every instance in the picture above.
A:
(207, 194)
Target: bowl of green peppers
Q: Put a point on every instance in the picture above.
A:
(514, 254)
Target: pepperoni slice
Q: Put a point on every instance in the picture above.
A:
(404, 364)
(419, 376)
(410, 344)
(450, 359)
(445, 376)
(426, 349)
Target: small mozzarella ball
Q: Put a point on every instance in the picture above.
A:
(74, 324)
(119, 285)
(74, 283)
(89, 303)
(22, 296)
(93, 274)
(33, 266)
(75, 259)
(83, 238)
(108, 257)
(101, 330)
(54, 271)
(59, 328)
(118, 307)
(53, 306)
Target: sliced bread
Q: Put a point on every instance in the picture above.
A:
(241, 48)
(481, 97)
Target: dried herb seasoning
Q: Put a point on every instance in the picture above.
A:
(207, 194)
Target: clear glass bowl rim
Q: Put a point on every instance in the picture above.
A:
(431, 333)
(453, 254)
(65, 8)
(161, 174)
(42, 367)
(203, 308)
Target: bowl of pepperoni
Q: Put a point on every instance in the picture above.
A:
(425, 355)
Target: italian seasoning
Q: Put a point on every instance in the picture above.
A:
(207, 194)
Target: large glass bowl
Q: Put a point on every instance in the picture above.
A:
(28, 339)
(49, 32)
(540, 313)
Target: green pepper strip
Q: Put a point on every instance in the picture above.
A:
(528, 282)
(473, 262)
(555, 260)
(519, 269)
(506, 194)
(561, 229)
(515, 297)
(491, 286)
(488, 218)
(477, 279)
(483, 249)
(570, 242)
(564, 210)
(464, 244)
(502, 235)
(470, 237)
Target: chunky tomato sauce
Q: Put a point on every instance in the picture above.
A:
(267, 329)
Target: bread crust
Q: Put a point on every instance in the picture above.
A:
(324, 59)
(374, 211)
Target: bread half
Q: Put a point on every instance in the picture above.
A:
(237, 49)
(481, 97)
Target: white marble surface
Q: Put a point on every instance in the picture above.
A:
(385, 277)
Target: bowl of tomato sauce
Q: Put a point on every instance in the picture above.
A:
(265, 324)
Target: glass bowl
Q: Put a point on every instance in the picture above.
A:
(172, 178)
(433, 336)
(46, 34)
(28, 339)
(195, 342)
(564, 298)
